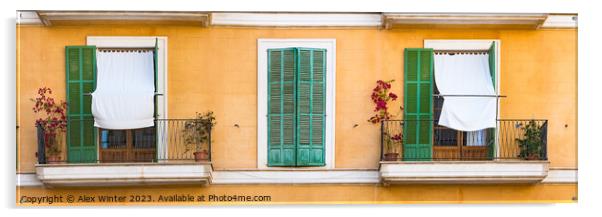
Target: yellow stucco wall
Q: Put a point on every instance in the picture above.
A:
(304, 194)
(216, 69)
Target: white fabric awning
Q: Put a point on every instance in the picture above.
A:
(465, 74)
(124, 93)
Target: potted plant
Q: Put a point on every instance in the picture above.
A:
(197, 134)
(531, 143)
(392, 145)
(381, 96)
(54, 124)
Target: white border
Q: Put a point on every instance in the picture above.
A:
(144, 42)
(475, 44)
(262, 146)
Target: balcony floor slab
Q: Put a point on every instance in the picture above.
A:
(124, 174)
(463, 172)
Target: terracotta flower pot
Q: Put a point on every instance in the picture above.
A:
(53, 159)
(391, 156)
(201, 156)
(533, 157)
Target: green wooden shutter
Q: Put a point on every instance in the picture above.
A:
(80, 79)
(492, 67)
(281, 107)
(155, 100)
(418, 104)
(311, 89)
(492, 51)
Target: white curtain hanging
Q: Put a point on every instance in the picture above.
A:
(124, 93)
(465, 74)
(476, 138)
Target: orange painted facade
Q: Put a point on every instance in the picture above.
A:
(215, 68)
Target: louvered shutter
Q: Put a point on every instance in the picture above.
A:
(80, 79)
(418, 101)
(311, 88)
(281, 107)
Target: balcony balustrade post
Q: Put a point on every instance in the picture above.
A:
(41, 145)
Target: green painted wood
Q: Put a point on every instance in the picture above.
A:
(418, 104)
(296, 106)
(155, 99)
(311, 100)
(80, 79)
(281, 107)
(492, 66)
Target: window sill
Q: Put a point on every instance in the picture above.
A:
(123, 174)
(463, 172)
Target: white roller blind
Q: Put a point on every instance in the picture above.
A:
(465, 74)
(124, 93)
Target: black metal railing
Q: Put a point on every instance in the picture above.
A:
(168, 141)
(411, 140)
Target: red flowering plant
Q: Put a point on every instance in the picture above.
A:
(381, 97)
(55, 122)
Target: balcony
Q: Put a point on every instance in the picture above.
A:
(162, 154)
(423, 152)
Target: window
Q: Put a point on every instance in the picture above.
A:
(295, 103)
(83, 79)
(296, 106)
(86, 143)
(424, 139)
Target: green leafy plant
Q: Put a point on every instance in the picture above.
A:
(531, 144)
(197, 131)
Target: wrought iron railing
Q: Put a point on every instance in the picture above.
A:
(168, 141)
(424, 140)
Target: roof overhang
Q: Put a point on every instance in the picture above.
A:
(194, 18)
(513, 21)
(306, 19)
(297, 19)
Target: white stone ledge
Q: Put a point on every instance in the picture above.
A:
(122, 174)
(364, 176)
(460, 172)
